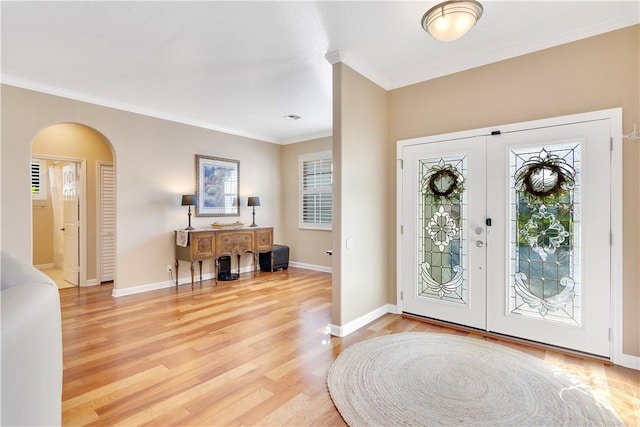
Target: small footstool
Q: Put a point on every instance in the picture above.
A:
(280, 258)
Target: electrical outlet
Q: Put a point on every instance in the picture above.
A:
(169, 268)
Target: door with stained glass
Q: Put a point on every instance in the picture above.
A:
(510, 233)
(549, 265)
(443, 261)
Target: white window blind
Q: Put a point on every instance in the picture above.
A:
(316, 202)
(38, 180)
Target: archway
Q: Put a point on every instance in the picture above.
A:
(89, 157)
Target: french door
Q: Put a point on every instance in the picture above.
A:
(443, 232)
(509, 233)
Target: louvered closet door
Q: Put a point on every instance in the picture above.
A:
(107, 223)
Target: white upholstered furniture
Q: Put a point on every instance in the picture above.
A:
(31, 352)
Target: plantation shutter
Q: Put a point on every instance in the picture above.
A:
(316, 194)
(38, 183)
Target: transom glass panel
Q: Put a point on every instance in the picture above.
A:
(545, 233)
(442, 271)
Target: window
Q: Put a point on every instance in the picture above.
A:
(315, 191)
(38, 179)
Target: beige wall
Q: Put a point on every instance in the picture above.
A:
(306, 246)
(73, 141)
(360, 168)
(593, 74)
(154, 165)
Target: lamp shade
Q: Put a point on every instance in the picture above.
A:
(253, 201)
(188, 200)
(451, 19)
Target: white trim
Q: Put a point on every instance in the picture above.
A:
(399, 254)
(142, 288)
(65, 93)
(456, 65)
(44, 266)
(359, 65)
(92, 282)
(308, 137)
(629, 361)
(334, 56)
(310, 266)
(617, 326)
(354, 325)
(513, 127)
(394, 309)
(186, 280)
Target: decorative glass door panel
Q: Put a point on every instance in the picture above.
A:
(545, 233)
(444, 231)
(548, 270)
(441, 229)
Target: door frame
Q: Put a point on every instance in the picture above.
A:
(615, 117)
(82, 236)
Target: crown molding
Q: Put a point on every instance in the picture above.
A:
(309, 137)
(359, 65)
(103, 102)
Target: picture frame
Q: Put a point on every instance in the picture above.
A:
(217, 186)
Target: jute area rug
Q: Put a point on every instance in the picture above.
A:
(430, 379)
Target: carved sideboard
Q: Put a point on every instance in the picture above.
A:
(205, 244)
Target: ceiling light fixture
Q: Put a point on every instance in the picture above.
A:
(293, 117)
(451, 19)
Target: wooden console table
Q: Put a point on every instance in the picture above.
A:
(204, 244)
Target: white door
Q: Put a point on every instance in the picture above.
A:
(541, 269)
(70, 214)
(549, 262)
(107, 223)
(443, 210)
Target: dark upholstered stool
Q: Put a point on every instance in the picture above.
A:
(280, 258)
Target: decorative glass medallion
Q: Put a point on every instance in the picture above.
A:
(441, 215)
(545, 233)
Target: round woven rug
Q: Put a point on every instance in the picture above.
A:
(430, 379)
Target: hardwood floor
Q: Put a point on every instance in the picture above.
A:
(249, 352)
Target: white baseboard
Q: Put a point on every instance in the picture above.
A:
(92, 282)
(143, 288)
(393, 308)
(207, 276)
(169, 283)
(310, 266)
(354, 325)
(628, 361)
(159, 285)
(44, 266)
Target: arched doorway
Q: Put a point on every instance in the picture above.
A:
(73, 203)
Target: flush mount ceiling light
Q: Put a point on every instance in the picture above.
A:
(451, 19)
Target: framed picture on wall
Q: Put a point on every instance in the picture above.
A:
(217, 186)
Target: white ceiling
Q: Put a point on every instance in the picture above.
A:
(240, 67)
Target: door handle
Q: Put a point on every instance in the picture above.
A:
(479, 243)
(62, 229)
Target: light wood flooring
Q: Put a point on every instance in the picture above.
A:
(249, 352)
